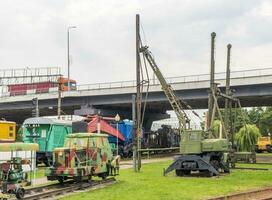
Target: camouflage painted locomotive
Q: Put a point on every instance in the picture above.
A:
(84, 155)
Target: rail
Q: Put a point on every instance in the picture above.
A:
(153, 150)
(54, 190)
(261, 193)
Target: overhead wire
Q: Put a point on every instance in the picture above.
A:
(144, 81)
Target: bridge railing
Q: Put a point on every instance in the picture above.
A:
(179, 79)
(170, 80)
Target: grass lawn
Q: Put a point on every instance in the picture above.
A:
(268, 166)
(264, 154)
(150, 184)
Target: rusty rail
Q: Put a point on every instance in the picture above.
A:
(262, 194)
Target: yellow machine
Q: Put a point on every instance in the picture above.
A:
(7, 131)
(264, 144)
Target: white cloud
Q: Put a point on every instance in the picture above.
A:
(33, 33)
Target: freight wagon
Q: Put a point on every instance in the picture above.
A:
(22, 89)
(48, 133)
(40, 87)
(7, 131)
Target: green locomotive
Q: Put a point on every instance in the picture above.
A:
(48, 133)
(84, 155)
(16, 168)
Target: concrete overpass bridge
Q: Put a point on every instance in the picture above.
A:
(253, 88)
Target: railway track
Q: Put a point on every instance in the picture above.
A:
(54, 190)
(260, 194)
(252, 168)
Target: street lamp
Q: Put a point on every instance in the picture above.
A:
(117, 119)
(68, 52)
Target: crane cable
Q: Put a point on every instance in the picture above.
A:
(144, 81)
(183, 103)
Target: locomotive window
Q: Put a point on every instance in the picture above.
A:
(43, 134)
(193, 136)
(80, 142)
(11, 128)
(104, 142)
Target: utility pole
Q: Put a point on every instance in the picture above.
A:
(138, 95)
(99, 122)
(228, 103)
(35, 111)
(134, 135)
(59, 99)
(212, 84)
(117, 119)
(68, 53)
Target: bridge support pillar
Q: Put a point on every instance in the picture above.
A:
(150, 118)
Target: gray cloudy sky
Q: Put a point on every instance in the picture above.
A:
(33, 33)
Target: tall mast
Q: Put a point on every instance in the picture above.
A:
(138, 94)
(212, 84)
(228, 93)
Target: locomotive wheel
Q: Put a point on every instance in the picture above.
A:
(104, 176)
(89, 180)
(20, 193)
(48, 163)
(61, 179)
(78, 179)
(208, 173)
(215, 164)
(269, 149)
(180, 172)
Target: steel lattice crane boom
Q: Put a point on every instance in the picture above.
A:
(197, 153)
(176, 104)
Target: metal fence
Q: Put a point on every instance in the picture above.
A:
(170, 80)
(179, 79)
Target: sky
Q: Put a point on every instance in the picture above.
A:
(34, 34)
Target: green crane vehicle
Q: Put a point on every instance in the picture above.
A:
(207, 156)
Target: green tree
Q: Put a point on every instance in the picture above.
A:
(216, 128)
(254, 115)
(265, 123)
(247, 137)
(238, 116)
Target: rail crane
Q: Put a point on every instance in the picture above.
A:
(197, 153)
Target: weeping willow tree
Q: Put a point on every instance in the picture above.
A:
(216, 128)
(247, 137)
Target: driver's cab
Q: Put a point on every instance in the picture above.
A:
(190, 141)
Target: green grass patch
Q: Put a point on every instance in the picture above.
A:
(264, 154)
(151, 184)
(268, 166)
